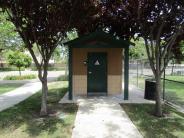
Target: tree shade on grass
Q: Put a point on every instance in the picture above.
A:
(171, 126)
(23, 120)
(8, 87)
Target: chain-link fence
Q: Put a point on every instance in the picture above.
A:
(172, 83)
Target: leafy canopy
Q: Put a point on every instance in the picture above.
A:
(9, 38)
(138, 51)
(19, 59)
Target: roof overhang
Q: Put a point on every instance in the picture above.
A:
(98, 39)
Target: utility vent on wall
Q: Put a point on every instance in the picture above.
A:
(97, 63)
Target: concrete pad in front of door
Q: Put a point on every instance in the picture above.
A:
(103, 118)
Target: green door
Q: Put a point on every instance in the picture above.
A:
(97, 74)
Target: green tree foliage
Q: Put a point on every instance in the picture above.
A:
(19, 59)
(181, 46)
(61, 52)
(138, 51)
(70, 35)
(9, 39)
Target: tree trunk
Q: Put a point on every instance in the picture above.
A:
(1, 63)
(44, 110)
(172, 72)
(158, 107)
(19, 72)
(66, 69)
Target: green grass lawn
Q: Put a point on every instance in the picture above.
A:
(176, 78)
(23, 120)
(174, 92)
(171, 126)
(8, 87)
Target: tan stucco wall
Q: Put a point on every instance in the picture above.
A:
(114, 84)
(114, 68)
(80, 84)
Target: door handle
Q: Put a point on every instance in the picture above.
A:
(90, 72)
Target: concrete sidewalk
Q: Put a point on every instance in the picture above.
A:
(136, 95)
(103, 118)
(13, 97)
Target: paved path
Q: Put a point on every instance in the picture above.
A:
(11, 98)
(103, 118)
(136, 95)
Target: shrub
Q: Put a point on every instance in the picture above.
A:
(24, 77)
(56, 68)
(63, 78)
(11, 69)
(33, 68)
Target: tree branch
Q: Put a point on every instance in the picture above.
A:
(149, 57)
(170, 43)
